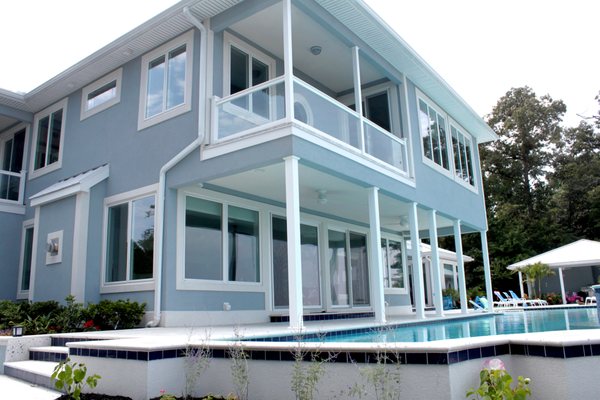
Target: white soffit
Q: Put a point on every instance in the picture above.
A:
(582, 253)
(82, 182)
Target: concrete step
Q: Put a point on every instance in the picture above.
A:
(48, 353)
(36, 372)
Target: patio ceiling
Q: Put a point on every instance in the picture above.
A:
(345, 200)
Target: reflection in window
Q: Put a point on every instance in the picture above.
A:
(130, 240)
(432, 127)
(166, 82)
(337, 268)
(393, 269)
(102, 95)
(27, 256)
(461, 146)
(49, 130)
(245, 71)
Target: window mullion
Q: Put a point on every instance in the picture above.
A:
(128, 267)
(165, 83)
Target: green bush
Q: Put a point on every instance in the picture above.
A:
(72, 378)
(120, 314)
(10, 314)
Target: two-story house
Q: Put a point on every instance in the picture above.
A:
(232, 160)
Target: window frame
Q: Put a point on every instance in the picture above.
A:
(426, 160)
(230, 40)
(127, 285)
(461, 131)
(28, 224)
(224, 284)
(186, 39)
(47, 112)
(115, 76)
(389, 289)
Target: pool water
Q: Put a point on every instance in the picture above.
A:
(502, 324)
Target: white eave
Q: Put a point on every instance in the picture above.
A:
(82, 182)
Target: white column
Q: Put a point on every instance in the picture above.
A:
(417, 272)
(375, 259)
(521, 284)
(292, 214)
(460, 263)
(358, 92)
(288, 60)
(435, 265)
(562, 286)
(487, 272)
(80, 237)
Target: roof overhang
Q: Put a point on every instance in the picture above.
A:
(582, 253)
(82, 182)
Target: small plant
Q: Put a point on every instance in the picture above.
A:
(71, 377)
(495, 384)
(308, 369)
(197, 359)
(166, 396)
(239, 367)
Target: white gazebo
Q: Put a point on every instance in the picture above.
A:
(582, 253)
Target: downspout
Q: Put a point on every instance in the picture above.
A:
(160, 200)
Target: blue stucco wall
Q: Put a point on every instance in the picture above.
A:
(11, 226)
(53, 281)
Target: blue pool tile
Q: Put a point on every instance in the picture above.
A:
(356, 356)
(172, 353)
(596, 349)
(502, 349)
(517, 349)
(93, 352)
(488, 351)
(474, 354)
(218, 353)
(286, 356)
(463, 355)
(102, 353)
(555, 351)
(437, 358)
(574, 351)
(155, 355)
(85, 352)
(111, 354)
(535, 350)
(272, 356)
(587, 350)
(122, 354)
(142, 356)
(416, 358)
(453, 357)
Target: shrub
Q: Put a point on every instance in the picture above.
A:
(120, 314)
(553, 298)
(10, 314)
(494, 384)
(71, 377)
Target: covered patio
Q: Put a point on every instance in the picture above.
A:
(583, 253)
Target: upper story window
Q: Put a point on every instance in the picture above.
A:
(432, 126)
(49, 129)
(166, 81)
(246, 67)
(129, 243)
(449, 150)
(12, 148)
(463, 159)
(102, 94)
(380, 106)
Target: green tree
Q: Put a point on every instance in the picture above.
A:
(534, 274)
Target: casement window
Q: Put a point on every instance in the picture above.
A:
(26, 259)
(221, 242)
(102, 94)
(380, 106)
(434, 137)
(393, 264)
(49, 132)
(246, 67)
(12, 148)
(166, 81)
(463, 158)
(129, 249)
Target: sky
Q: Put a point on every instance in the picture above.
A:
(482, 48)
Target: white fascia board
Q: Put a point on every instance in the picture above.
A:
(70, 186)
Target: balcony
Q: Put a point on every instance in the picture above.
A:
(262, 107)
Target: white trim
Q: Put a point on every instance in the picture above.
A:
(80, 236)
(28, 224)
(214, 318)
(186, 39)
(461, 131)
(127, 285)
(36, 225)
(224, 284)
(10, 207)
(115, 76)
(404, 289)
(407, 127)
(34, 173)
(54, 239)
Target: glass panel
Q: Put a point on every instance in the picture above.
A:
(384, 262)
(383, 147)
(435, 137)
(203, 239)
(360, 270)
(260, 100)
(469, 162)
(42, 143)
(311, 282)
(176, 77)
(18, 148)
(156, 83)
(425, 130)
(55, 132)
(378, 110)
(4, 185)
(330, 117)
(244, 263)
(238, 78)
(102, 95)
(443, 142)
(233, 117)
(27, 254)
(142, 238)
(116, 251)
(311, 288)
(337, 268)
(395, 263)
(280, 263)
(8, 145)
(456, 150)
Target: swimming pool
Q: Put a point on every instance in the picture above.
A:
(500, 324)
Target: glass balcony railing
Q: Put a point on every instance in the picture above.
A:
(256, 108)
(11, 186)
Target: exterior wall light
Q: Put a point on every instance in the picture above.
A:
(316, 50)
(17, 330)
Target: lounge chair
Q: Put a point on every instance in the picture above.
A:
(590, 300)
(504, 302)
(525, 302)
(476, 306)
